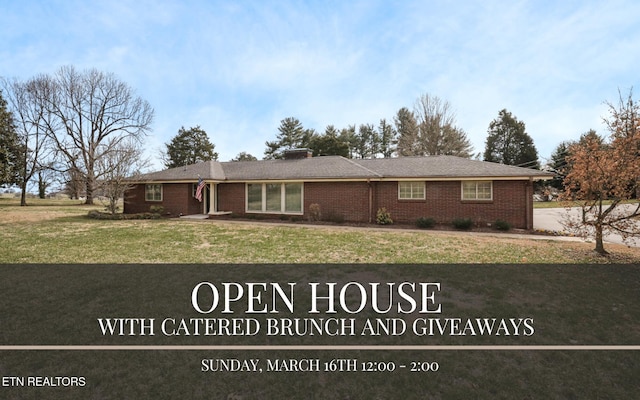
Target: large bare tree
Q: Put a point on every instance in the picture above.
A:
(29, 115)
(437, 130)
(92, 112)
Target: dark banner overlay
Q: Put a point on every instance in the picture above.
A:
(325, 331)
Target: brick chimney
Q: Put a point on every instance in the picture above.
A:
(297, 154)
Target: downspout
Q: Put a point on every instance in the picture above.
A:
(529, 194)
(370, 199)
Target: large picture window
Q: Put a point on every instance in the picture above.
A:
(277, 198)
(293, 197)
(477, 190)
(274, 197)
(411, 191)
(153, 192)
(254, 197)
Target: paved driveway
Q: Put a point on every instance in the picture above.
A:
(549, 219)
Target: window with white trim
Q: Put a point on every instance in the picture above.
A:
(254, 197)
(477, 190)
(411, 191)
(277, 198)
(153, 192)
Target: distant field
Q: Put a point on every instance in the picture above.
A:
(58, 231)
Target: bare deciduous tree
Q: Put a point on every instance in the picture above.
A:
(118, 168)
(91, 113)
(29, 115)
(437, 130)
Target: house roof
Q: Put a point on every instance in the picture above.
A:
(210, 170)
(446, 167)
(341, 168)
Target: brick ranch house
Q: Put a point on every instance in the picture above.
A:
(440, 187)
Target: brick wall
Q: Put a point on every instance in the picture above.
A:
(349, 202)
(231, 197)
(511, 202)
(177, 199)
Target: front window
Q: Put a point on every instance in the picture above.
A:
(273, 198)
(293, 197)
(153, 192)
(477, 190)
(277, 198)
(254, 197)
(411, 191)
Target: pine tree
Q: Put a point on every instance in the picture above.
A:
(508, 142)
(11, 148)
(189, 146)
(292, 136)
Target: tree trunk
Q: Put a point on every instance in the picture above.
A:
(23, 194)
(599, 243)
(89, 192)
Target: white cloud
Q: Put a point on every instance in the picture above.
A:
(238, 68)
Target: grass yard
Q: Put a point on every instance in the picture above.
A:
(570, 304)
(60, 232)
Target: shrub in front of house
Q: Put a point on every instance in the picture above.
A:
(94, 214)
(502, 225)
(462, 223)
(314, 212)
(155, 209)
(383, 217)
(425, 223)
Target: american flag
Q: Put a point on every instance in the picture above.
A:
(199, 189)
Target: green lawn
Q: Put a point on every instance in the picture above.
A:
(570, 304)
(60, 232)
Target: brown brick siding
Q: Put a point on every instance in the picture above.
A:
(349, 201)
(177, 199)
(231, 197)
(443, 203)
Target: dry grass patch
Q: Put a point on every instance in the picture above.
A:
(63, 233)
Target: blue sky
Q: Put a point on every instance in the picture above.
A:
(237, 68)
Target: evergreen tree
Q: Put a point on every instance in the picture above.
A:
(189, 146)
(366, 143)
(244, 156)
(407, 131)
(292, 136)
(508, 142)
(387, 136)
(348, 135)
(11, 148)
(329, 144)
(559, 164)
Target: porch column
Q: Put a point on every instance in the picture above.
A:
(213, 201)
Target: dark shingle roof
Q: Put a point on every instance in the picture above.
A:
(336, 167)
(445, 167)
(211, 170)
(328, 167)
